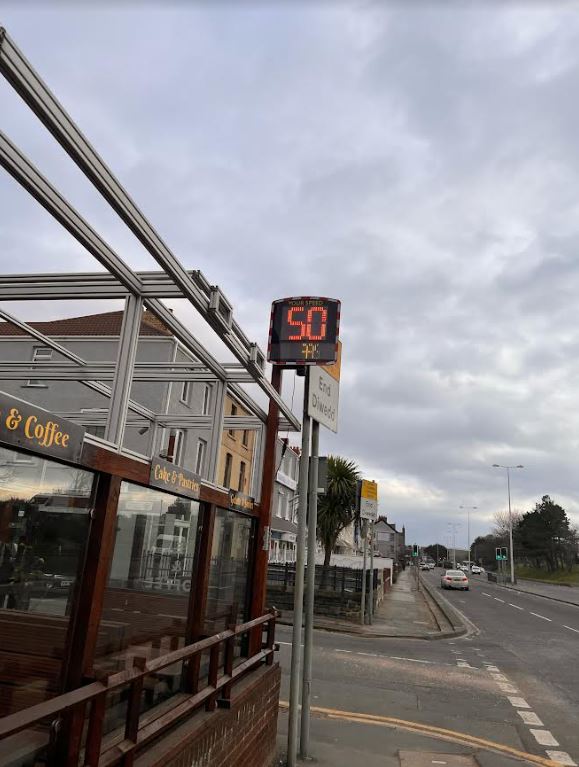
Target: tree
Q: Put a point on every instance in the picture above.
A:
(501, 523)
(337, 506)
(545, 536)
(436, 551)
(483, 549)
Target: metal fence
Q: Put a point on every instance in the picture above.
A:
(339, 580)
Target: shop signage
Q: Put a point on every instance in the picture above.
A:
(240, 501)
(174, 479)
(28, 426)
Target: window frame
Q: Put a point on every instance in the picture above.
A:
(38, 383)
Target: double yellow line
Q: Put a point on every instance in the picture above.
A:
(428, 730)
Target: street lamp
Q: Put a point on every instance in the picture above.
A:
(452, 526)
(468, 510)
(512, 553)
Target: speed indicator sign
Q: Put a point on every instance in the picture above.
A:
(304, 331)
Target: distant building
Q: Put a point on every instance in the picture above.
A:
(390, 542)
(237, 452)
(284, 526)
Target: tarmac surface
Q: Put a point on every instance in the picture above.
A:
(511, 681)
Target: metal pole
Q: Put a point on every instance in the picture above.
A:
(511, 551)
(363, 598)
(292, 738)
(371, 600)
(310, 589)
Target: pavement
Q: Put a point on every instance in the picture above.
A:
(505, 693)
(406, 611)
(560, 593)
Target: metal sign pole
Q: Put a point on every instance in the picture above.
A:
(310, 589)
(292, 739)
(371, 600)
(363, 598)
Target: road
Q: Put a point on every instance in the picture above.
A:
(514, 680)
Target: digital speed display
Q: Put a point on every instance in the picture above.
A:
(304, 331)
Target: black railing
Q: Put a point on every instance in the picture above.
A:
(340, 580)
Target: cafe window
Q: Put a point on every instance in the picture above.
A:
(147, 596)
(40, 354)
(228, 596)
(44, 523)
(242, 469)
(245, 438)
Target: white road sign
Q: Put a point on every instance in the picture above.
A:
(323, 398)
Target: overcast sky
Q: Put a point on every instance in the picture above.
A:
(419, 163)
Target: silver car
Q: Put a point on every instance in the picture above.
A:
(454, 579)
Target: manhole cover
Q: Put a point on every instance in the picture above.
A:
(430, 759)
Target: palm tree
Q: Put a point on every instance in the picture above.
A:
(337, 508)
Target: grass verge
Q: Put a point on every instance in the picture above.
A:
(561, 577)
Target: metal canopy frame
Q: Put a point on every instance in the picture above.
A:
(139, 290)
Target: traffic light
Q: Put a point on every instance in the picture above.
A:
(414, 549)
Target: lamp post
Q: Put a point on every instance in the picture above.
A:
(452, 526)
(512, 553)
(468, 510)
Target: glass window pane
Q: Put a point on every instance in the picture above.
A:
(147, 596)
(44, 522)
(229, 570)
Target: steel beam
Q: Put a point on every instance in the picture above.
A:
(127, 352)
(34, 92)
(218, 409)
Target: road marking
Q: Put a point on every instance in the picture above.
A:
(571, 629)
(413, 660)
(453, 736)
(485, 594)
(499, 600)
(518, 702)
(350, 651)
(541, 616)
(508, 688)
(544, 737)
(561, 757)
(516, 606)
(499, 677)
(491, 668)
(463, 664)
(529, 717)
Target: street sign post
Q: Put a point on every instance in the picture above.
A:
(303, 332)
(369, 500)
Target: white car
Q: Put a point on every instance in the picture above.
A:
(454, 579)
(475, 570)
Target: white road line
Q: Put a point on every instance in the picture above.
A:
(499, 677)
(491, 668)
(499, 600)
(562, 757)
(571, 629)
(516, 606)
(518, 702)
(541, 616)
(349, 651)
(508, 688)
(412, 660)
(485, 594)
(529, 717)
(463, 664)
(544, 737)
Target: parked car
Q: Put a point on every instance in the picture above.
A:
(454, 579)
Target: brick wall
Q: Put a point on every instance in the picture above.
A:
(242, 736)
